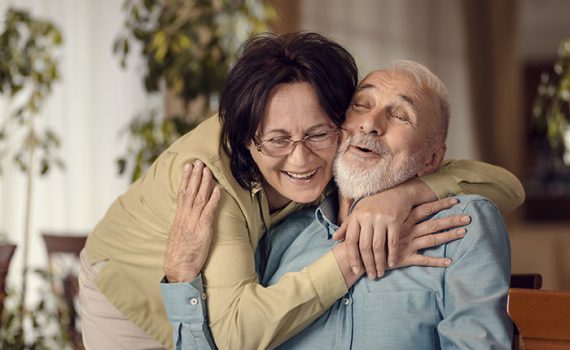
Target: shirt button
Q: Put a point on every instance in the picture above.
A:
(345, 301)
(203, 296)
(193, 301)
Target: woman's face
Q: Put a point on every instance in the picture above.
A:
(293, 112)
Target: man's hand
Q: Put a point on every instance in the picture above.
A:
(192, 229)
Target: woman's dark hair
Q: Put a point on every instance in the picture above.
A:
(267, 60)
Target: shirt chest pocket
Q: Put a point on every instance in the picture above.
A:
(396, 320)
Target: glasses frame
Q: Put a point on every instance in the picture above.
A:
(259, 143)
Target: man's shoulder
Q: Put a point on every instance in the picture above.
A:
(470, 203)
(486, 229)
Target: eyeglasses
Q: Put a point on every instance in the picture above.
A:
(282, 146)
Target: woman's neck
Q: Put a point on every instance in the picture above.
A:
(275, 200)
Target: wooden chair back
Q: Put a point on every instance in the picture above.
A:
(523, 280)
(526, 280)
(6, 254)
(66, 244)
(543, 318)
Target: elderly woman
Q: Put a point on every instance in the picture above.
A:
(270, 151)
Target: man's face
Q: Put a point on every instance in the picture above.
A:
(389, 134)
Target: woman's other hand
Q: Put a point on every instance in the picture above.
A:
(192, 229)
(416, 234)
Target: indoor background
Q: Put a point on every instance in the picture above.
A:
(487, 52)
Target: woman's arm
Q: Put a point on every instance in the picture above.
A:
(381, 216)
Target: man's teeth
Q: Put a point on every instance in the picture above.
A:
(301, 176)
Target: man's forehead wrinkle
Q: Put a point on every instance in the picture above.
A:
(365, 86)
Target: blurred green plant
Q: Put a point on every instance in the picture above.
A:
(28, 69)
(551, 110)
(187, 47)
(42, 326)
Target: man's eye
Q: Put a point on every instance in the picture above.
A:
(400, 117)
(359, 106)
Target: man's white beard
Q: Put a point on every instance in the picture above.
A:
(355, 178)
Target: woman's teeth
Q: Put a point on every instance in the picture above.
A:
(304, 176)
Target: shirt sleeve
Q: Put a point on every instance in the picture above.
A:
(474, 177)
(185, 306)
(242, 313)
(477, 283)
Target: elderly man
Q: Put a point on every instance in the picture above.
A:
(396, 128)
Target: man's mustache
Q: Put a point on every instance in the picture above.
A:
(366, 141)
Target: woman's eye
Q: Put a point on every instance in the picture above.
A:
(280, 142)
(318, 137)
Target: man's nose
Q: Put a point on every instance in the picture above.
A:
(373, 123)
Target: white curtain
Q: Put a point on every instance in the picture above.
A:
(88, 107)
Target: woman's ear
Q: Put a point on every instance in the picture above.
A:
(433, 160)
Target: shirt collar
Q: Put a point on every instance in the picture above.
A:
(327, 212)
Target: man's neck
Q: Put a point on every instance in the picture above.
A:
(344, 205)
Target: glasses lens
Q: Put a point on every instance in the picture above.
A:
(322, 140)
(283, 146)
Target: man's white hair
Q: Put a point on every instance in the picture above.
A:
(425, 77)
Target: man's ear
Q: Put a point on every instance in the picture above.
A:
(433, 160)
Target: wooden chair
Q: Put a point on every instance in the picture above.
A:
(6, 253)
(526, 280)
(543, 318)
(65, 284)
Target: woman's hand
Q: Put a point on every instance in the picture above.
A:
(373, 228)
(416, 234)
(192, 229)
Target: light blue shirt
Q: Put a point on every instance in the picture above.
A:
(462, 306)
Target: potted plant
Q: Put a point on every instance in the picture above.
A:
(551, 109)
(187, 47)
(28, 70)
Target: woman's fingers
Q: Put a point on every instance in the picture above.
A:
(204, 191)
(393, 244)
(192, 229)
(423, 260)
(437, 239)
(340, 234)
(184, 180)
(435, 225)
(194, 184)
(365, 245)
(352, 241)
(422, 212)
(209, 212)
